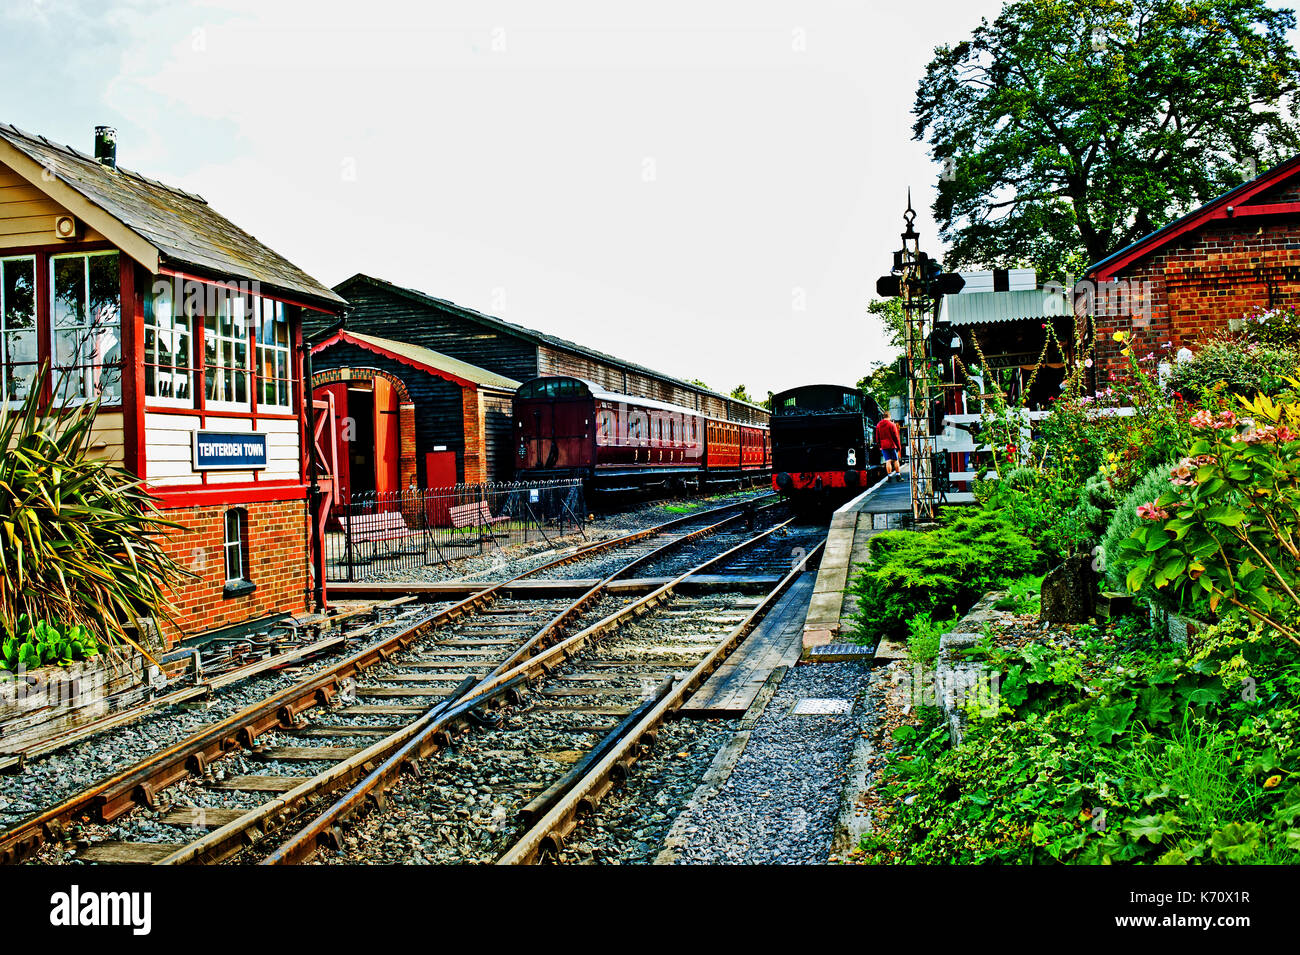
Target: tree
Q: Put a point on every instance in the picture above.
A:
(741, 393)
(1067, 129)
(883, 381)
(889, 311)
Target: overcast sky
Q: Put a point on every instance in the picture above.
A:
(708, 188)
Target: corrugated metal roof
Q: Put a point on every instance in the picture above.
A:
(983, 308)
(434, 361)
(529, 334)
(180, 225)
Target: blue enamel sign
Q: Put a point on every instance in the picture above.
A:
(223, 451)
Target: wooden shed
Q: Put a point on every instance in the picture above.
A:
(488, 351)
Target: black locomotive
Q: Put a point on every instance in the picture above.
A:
(823, 441)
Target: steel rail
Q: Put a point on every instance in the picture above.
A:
(303, 845)
(138, 783)
(549, 832)
(398, 750)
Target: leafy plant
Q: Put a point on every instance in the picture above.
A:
(947, 569)
(79, 539)
(1224, 529)
(44, 644)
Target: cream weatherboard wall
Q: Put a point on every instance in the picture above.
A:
(169, 449)
(27, 215)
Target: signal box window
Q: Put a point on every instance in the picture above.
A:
(236, 553)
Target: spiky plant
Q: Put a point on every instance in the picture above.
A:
(79, 538)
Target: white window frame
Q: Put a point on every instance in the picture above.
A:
(239, 545)
(274, 349)
(220, 367)
(5, 331)
(58, 372)
(150, 322)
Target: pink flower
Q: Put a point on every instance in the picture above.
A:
(1087, 363)
(1182, 474)
(1203, 419)
(1152, 512)
(1266, 434)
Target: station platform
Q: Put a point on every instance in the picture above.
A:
(884, 506)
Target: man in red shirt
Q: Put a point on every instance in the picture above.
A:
(891, 443)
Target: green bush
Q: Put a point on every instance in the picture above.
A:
(81, 539)
(1123, 521)
(1043, 506)
(939, 573)
(1243, 368)
(44, 644)
(1103, 754)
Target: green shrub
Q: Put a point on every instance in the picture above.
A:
(80, 538)
(1224, 365)
(939, 573)
(1108, 755)
(1123, 521)
(1041, 505)
(44, 644)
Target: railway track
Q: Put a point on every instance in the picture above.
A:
(634, 666)
(443, 658)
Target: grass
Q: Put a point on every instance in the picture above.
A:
(1023, 595)
(923, 636)
(1197, 760)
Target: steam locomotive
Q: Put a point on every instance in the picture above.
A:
(823, 441)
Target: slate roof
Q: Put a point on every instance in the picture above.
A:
(186, 231)
(426, 359)
(529, 334)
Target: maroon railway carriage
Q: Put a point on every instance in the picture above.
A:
(568, 427)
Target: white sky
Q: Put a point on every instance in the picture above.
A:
(708, 188)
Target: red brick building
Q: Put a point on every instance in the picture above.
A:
(189, 332)
(1193, 277)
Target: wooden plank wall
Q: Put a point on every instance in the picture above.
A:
(27, 214)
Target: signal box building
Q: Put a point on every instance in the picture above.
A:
(189, 332)
(446, 375)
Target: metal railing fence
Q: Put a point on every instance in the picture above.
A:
(371, 534)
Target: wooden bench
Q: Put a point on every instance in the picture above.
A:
(474, 515)
(375, 528)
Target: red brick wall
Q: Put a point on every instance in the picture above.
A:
(278, 565)
(1204, 280)
(471, 412)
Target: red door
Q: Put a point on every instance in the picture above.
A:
(387, 435)
(342, 460)
(439, 478)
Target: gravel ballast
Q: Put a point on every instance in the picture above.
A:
(781, 802)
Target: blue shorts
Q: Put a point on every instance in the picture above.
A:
(889, 454)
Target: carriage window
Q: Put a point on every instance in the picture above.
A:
(604, 423)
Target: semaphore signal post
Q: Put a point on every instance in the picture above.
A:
(921, 283)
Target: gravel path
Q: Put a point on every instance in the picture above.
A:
(780, 804)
